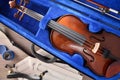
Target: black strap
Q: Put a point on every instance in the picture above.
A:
(20, 75)
(41, 57)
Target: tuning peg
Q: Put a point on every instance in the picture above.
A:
(13, 4)
(20, 18)
(26, 1)
(17, 14)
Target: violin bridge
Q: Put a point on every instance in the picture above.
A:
(96, 47)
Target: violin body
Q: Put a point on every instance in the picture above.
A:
(94, 59)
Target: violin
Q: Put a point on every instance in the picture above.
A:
(75, 37)
(69, 34)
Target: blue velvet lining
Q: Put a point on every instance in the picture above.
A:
(53, 13)
(102, 20)
(38, 32)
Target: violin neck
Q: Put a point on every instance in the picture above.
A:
(30, 13)
(78, 38)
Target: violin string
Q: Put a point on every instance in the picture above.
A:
(67, 33)
(68, 30)
(33, 14)
(63, 32)
(38, 17)
(77, 37)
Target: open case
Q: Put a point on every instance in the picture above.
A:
(39, 33)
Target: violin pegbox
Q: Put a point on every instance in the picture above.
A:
(13, 4)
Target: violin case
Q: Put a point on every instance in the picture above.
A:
(38, 33)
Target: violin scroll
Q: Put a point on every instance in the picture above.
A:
(13, 4)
